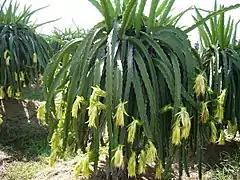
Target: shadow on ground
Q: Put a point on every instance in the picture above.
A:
(21, 131)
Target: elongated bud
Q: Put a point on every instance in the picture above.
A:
(132, 165)
(1, 120)
(22, 78)
(2, 93)
(10, 91)
(55, 140)
(142, 162)
(132, 130)
(83, 166)
(5, 55)
(199, 86)
(95, 106)
(119, 116)
(176, 133)
(77, 106)
(34, 58)
(118, 157)
(52, 158)
(92, 113)
(7, 61)
(219, 114)
(204, 112)
(222, 96)
(221, 140)
(78, 168)
(16, 76)
(158, 174)
(184, 118)
(151, 152)
(213, 128)
(41, 112)
(86, 167)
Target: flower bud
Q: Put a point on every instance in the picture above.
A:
(10, 91)
(221, 140)
(142, 163)
(204, 112)
(213, 128)
(2, 93)
(158, 174)
(132, 130)
(34, 58)
(1, 120)
(132, 165)
(151, 152)
(41, 112)
(77, 106)
(118, 157)
(119, 116)
(176, 133)
(199, 86)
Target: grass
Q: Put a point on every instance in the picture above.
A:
(229, 168)
(20, 170)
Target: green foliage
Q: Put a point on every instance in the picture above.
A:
(23, 56)
(59, 38)
(133, 68)
(23, 53)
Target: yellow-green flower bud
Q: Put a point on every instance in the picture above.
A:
(10, 91)
(184, 118)
(158, 174)
(142, 162)
(222, 96)
(1, 120)
(119, 116)
(132, 165)
(77, 106)
(118, 157)
(22, 76)
(199, 86)
(41, 112)
(7, 61)
(204, 112)
(219, 114)
(132, 130)
(2, 93)
(176, 133)
(92, 113)
(213, 128)
(34, 58)
(221, 140)
(151, 152)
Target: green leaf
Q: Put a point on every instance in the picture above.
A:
(138, 18)
(152, 15)
(213, 14)
(128, 16)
